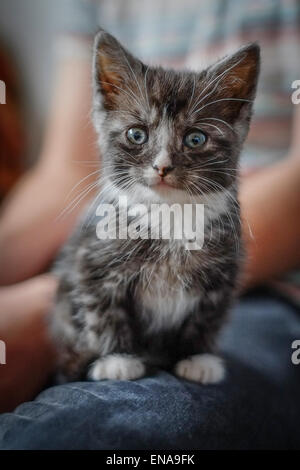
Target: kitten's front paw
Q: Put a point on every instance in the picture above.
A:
(203, 368)
(117, 367)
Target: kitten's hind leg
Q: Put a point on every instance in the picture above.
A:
(117, 367)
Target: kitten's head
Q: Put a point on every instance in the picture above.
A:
(171, 135)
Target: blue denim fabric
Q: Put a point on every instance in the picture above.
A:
(256, 407)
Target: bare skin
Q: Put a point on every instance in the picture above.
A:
(29, 355)
(31, 236)
(31, 233)
(270, 202)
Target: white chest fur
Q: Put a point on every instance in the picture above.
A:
(163, 303)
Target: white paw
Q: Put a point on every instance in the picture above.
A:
(203, 368)
(117, 367)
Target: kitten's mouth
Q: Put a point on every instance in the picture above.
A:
(162, 184)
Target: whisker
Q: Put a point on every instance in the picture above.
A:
(81, 181)
(131, 95)
(215, 127)
(134, 76)
(145, 86)
(193, 92)
(218, 77)
(222, 99)
(74, 203)
(220, 120)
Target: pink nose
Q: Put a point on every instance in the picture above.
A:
(163, 170)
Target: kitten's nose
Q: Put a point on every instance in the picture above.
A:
(162, 170)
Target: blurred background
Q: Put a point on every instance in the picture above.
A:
(27, 30)
(160, 33)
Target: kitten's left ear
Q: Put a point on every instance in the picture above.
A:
(235, 80)
(113, 66)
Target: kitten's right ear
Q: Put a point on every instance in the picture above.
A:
(112, 65)
(234, 80)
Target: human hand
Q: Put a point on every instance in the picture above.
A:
(23, 328)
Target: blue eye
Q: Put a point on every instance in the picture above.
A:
(137, 136)
(194, 139)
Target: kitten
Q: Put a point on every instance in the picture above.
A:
(164, 136)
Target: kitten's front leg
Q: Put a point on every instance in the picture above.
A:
(202, 368)
(113, 339)
(199, 362)
(117, 366)
(94, 340)
(115, 342)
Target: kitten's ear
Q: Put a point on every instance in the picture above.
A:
(113, 65)
(235, 80)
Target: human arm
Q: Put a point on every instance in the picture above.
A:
(31, 232)
(29, 354)
(270, 203)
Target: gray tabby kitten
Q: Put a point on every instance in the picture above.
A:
(164, 136)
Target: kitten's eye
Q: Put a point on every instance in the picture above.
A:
(194, 139)
(136, 135)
